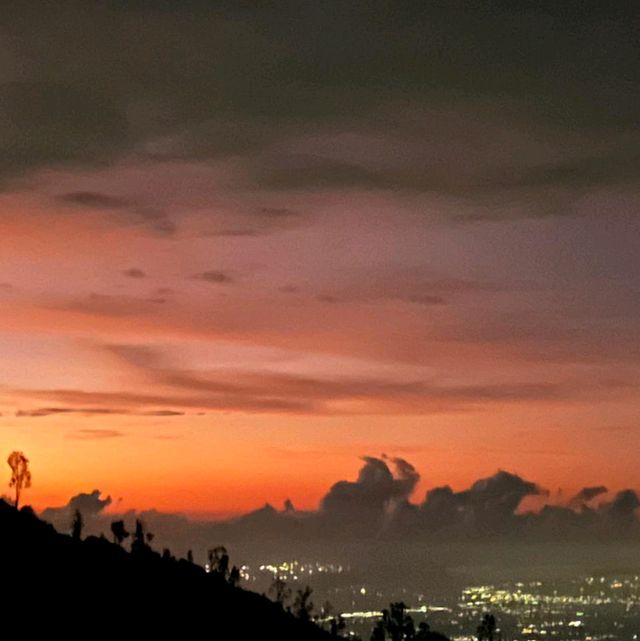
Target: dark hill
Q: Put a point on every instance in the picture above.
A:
(93, 588)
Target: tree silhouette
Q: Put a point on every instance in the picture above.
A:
(234, 577)
(20, 474)
(280, 591)
(487, 628)
(395, 624)
(77, 524)
(190, 556)
(378, 633)
(302, 604)
(424, 631)
(140, 538)
(219, 565)
(219, 561)
(119, 532)
(336, 626)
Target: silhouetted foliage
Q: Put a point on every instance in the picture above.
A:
(190, 556)
(77, 524)
(119, 532)
(219, 561)
(336, 626)
(397, 625)
(302, 604)
(20, 474)
(219, 566)
(280, 591)
(141, 539)
(378, 633)
(234, 577)
(486, 631)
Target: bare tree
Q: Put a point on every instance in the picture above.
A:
(20, 473)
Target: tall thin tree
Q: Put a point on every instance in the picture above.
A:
(20, 474)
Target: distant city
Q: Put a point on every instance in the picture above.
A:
(587, 608)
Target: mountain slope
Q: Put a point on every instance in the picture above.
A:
(93, 588)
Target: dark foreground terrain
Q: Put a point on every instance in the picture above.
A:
(92, 588)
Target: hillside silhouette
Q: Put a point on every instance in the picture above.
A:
(93, 587)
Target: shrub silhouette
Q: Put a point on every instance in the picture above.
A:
(119, 532)
(486, 631)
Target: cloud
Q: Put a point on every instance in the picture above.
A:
(94, 200)
(52, 411)
(41, 412)
(587, 494)
(478, 123)
(623, 506)
(376, 489)
(162, 413)
(91, 505)
(489, 504)
(214, 276)
(377, 507)
(134, 272)
(121, 211)
(265, 391)
(95, 434)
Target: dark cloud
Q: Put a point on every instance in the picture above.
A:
(134, 272)
(214, 276)
(490, 102)
(52, 411)
(136, 403)
(407, 286)
(373, 493)
(95, 434)
(122, 211)
(91, 505)
(489, 504)
(110, 304)
(623, 506)
(69, 396)
(587, 494)
(162, 413)
(94, 200)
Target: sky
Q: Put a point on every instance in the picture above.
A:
(244, 244)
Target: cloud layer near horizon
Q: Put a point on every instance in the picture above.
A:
(378, 506)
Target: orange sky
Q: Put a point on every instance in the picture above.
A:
(242, 246)
(322, 343)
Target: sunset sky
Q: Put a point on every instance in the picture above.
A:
(242, 246)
